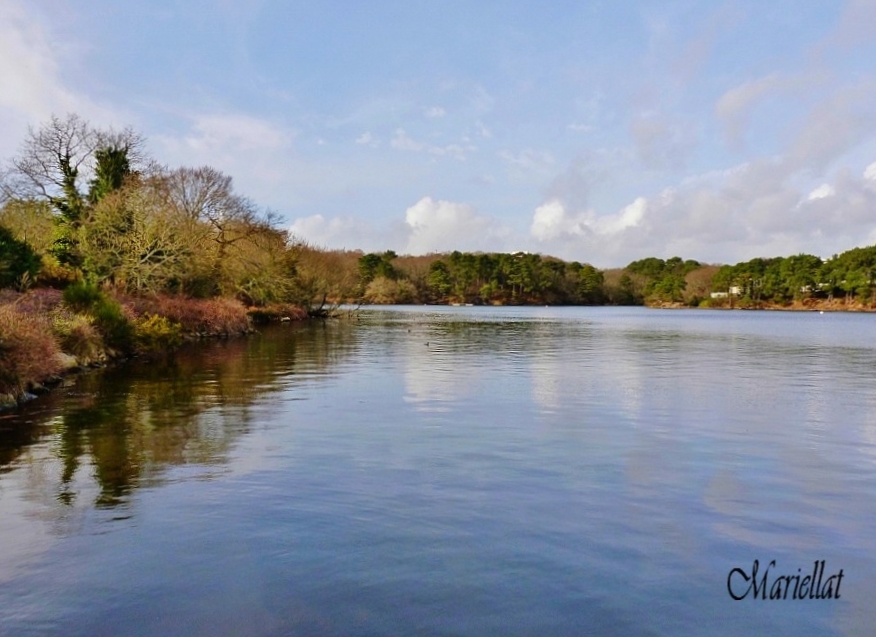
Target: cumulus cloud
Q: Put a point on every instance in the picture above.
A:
(438, 226)
(564, 232)
(429, 225)
(754, 209)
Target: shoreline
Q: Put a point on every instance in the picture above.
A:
(49, 342)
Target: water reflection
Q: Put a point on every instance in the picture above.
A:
(124, 427)
(517, 471)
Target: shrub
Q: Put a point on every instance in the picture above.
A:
(154, 333)
(109, 318)
(28, 350)
(113, 324)
(77, 335)
(201, 316)
(81, 296)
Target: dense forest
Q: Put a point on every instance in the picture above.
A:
(103, 248)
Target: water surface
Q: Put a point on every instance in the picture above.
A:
(452, 471)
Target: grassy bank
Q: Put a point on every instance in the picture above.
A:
(46, 333)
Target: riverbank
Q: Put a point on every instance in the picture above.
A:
(46, 335)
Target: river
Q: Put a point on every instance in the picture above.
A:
(454, 471)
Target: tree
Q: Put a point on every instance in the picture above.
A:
(53, 163)
(130, 239)
(219, 218)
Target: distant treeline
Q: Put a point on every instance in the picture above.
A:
(523, 278)
(80, 204)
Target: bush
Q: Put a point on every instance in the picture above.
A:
(28, 350)
(81, 296)
(199, 316)
(117, 332)
(109, 318)
(77, 335)
(155, 333)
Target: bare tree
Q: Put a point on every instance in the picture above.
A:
(205, 196)
(54, 163)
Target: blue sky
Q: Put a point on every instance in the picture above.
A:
(596, 131)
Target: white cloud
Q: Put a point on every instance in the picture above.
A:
(29, 72)
(31, 77)
(552, 221)
(429, 226)
(751, 210)
(437, 226)
(257, 153)
(345, 232)
(870, 172)
(233, 133)
(824, 190)
(434, 111)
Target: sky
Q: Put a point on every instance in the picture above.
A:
(601, 132)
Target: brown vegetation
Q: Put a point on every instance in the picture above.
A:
(28, 350)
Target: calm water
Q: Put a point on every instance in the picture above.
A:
(453, 471)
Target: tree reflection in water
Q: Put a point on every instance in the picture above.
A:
(130, 424)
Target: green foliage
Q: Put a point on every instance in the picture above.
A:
(81, 296)
(112, 168)
(373, 265)
(18, 261)
(86, 298)
(113, 325)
